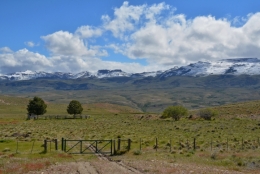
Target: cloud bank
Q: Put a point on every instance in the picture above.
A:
(155, 33)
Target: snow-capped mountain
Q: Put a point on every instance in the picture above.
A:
(112, 73)
(239, 66)
(249, 66)
(27, 75)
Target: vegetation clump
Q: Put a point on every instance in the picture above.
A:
(36, 106)
(207, 113)
(74, 108)
(176, 112)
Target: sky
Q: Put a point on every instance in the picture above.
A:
(134, 36)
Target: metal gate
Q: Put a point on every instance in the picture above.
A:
(87, 146)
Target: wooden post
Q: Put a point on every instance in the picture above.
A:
(129, 144)
(118, 144)
(114, 144)
(194, 144)
(65, 145)
(111, 147)
(242, 144)
(45, 145)
(80, 146)
(62, 144)
(56, 144)
(96, 147)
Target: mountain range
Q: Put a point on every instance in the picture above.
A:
(237, 66)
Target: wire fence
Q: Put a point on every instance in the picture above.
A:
(196, 144)
(142, 144)
(21, 147)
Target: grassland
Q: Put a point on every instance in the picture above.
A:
(229, 141)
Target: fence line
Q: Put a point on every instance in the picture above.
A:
(120, 146)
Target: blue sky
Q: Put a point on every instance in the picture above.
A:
(135, 36)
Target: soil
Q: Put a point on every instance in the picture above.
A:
(113, 167)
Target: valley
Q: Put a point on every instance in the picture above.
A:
(150, 94)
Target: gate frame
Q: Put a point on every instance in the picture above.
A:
(91, 145)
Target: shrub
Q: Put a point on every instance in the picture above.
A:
(74, 107)
(137, 152)
(207, 113)
(175, 112)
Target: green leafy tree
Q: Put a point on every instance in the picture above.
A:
(36, 106)
(74, 107)
(207, 113)
(176, 112)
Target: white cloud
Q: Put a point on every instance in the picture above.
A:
(23, 60)
(5, 50)
(151, 32)
(88, 32)
(172, 39)
(68, 44)
(125, 18)
(30, 44)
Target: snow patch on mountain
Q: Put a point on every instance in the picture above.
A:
(239, 66)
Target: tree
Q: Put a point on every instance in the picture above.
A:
(74, 107)
(207, 113)
(175, 112)
(36, 106)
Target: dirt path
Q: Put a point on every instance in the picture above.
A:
(68, 168)
(97, 167)
(105, 165)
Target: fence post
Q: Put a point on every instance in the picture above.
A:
(118, 143)
(56, 144)
(96, 147)
(45, 146)
(194, 143)
(62, 145)
(80, 146)
(114, 144)
(129, 144)
(111, 147)
(242, 144)
(65, 145)
(50, 145)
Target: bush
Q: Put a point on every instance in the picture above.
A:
(36, 106)
(74, 107)
(175, 112)
(137, 152)
(207, 113)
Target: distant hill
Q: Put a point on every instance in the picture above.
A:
(150, 94)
